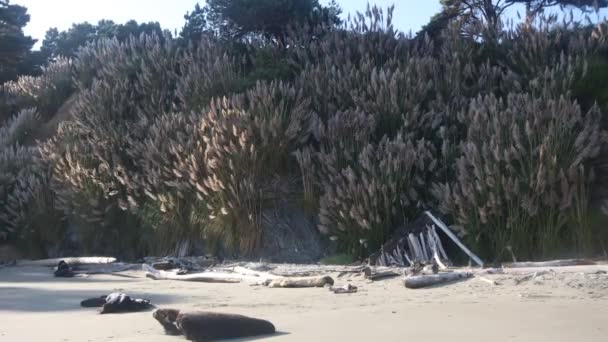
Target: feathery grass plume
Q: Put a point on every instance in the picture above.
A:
(367, 200)
(17, 129)
(171, 206)
(46, 92)
(122, 87)
(207, 70)
(249, 141)
(27, 216)
(519, 171)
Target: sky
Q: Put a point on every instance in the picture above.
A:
(409, 14)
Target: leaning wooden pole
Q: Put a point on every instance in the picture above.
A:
(457, 241)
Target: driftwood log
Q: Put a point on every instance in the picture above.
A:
(420, 281)
(378, 275)
(302, 282)
(69, 261)
(242, 275)
(552, 263)
(205, 277)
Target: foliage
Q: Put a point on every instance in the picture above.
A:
(15, 56)
(233, 20)
(27, 216)
(46, 92)
(524, 163)
(173, 144)
(67, 43)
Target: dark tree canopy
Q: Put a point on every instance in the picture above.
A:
(537, 6)
(237, 19)
(15, 47)
(196, 23)
(489, 12)
(67, 43)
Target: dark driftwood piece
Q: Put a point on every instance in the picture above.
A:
(420, 281)
(346, 289)
(70, 261)
(211, 326)
(552, 263)
(373, 275)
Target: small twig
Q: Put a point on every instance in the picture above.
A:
(489, 281)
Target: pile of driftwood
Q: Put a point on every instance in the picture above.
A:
(240, 274)
(419, 242)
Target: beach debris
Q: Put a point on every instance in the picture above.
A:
(419, 241)
(348, 288)
(455, 239)
(528, 277)
(184, 264)
(72, 261)
(211, 326)
(416, 241)
(426, 280)
(375, 275)
(552, 263)
(300, 282)
(241, 274)
(63, 270)
(489, 281)
(494, 271)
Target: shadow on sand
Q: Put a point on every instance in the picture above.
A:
(31, 299)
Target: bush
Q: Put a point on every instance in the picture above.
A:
(27, 215)
(46, 92)
(248, 159)
(523, 175)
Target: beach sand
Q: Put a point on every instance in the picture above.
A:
(35, 306)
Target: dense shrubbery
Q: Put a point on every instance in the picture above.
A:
(169, 146)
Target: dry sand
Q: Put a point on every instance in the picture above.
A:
(571, 307)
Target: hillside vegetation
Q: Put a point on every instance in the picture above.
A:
(169, 147)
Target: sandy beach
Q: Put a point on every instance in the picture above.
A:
(573, 306)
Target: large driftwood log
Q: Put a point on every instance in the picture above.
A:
(207, 277)
(241, 274)
(420, 281)
(552, 263)
(70, 261)
(302, 282)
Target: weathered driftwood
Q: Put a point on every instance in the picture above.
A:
(243, 274)
(204, 277)
(348, 288)
(378, 275)
(253, 273)
(529, 277)
(70, 261)
(420, 281)
(489, 281)
(453, 237)
(552, 263)
(208, 277)
(302, 282)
